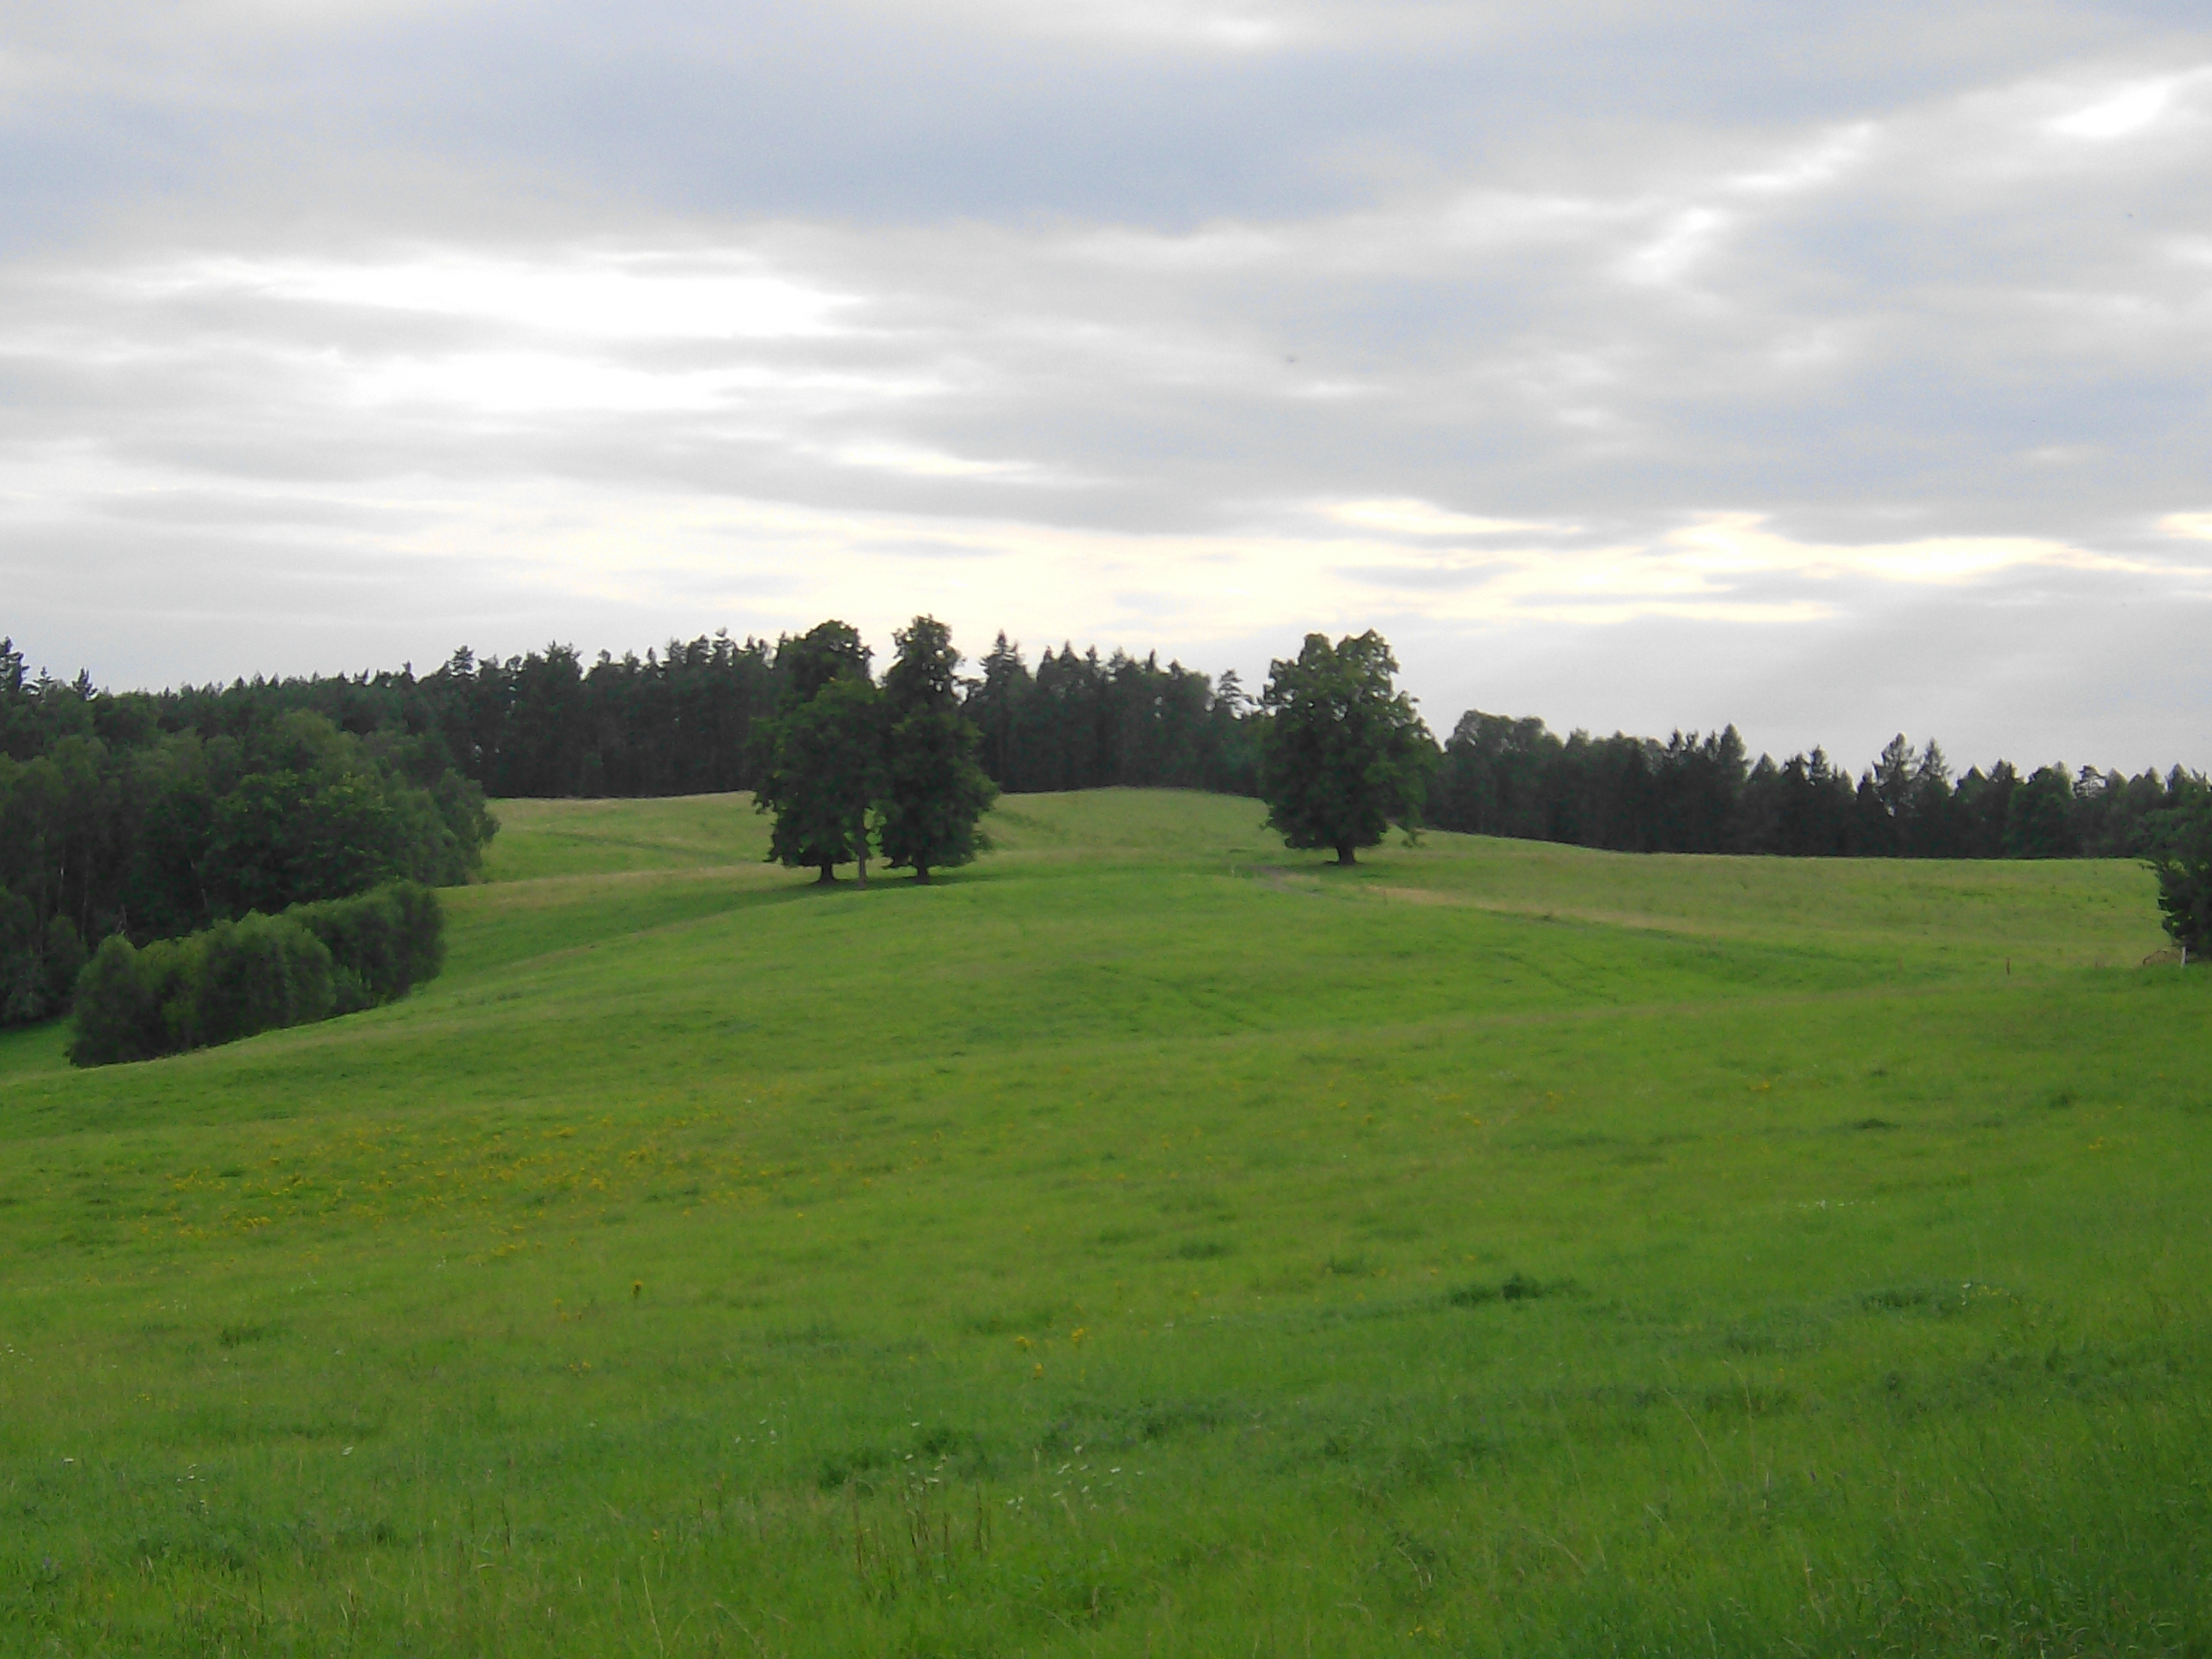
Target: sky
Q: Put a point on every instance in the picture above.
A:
(1833, 371)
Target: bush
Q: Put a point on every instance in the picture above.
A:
(236, 979)
(258, 974)
(382, 943)
(117, 1015)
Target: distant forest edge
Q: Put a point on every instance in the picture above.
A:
(154, 814)
(549, 724)
(158, 816)
(679, 721)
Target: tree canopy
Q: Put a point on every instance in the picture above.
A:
(2183, 862)
(824, 774)
(827, 651)
(935, 792)
(127, 828)
(156, 813)
(1343, 755)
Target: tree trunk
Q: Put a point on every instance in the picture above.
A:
(922, 874)
(828, 876)
(862, 857)
(1345, 855)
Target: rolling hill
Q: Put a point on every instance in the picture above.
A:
(1145, 1240)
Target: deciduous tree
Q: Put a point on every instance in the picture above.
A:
(825, 770)
(1343, 755)
(2184, 863)
(935, 792)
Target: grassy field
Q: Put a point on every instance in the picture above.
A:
(1145, 1242)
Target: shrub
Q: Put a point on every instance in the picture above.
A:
(238, 978)
(1519, 1288)
(257, 974)
(118, 1016)
(382, 943)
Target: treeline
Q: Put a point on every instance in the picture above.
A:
(691, 717)
(260, 973)
(1081, 723)
(112, 822)
(195, 834)
(1344, 756)
(1693, 793)
(682, 720)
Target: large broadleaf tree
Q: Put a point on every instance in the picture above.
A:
(821, 758)
(1343, 753)
(935, 792)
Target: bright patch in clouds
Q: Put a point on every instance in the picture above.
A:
(1412, 518)
(927, 462)
(2119, 115)
(532, 383)
(1686, 238)
(1810, 168)
(585, 297)
(1186, 24)
(1739, 545)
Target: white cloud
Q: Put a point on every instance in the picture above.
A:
(1681, 243)
(920, 463)
(577, 295)
(2121, 115)
(1416, 518)
(526, 382)
(1822, 162)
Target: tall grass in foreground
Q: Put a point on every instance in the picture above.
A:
(1502, 1250)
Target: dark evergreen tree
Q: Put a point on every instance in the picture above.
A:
(1495, 778)
(1873, 831)
(1980, 807)
(1931, 808)
(2040, 818)
(1084, 723)
(1697, 786)
(1343, 755)
(996, 704)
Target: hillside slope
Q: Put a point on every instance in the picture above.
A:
(1146, 1240)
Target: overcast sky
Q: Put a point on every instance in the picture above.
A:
(1832, 370)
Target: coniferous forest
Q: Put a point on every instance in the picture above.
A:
(153, 814)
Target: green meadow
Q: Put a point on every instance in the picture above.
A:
(1144, 1242)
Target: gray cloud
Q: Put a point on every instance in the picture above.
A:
(638, 323)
